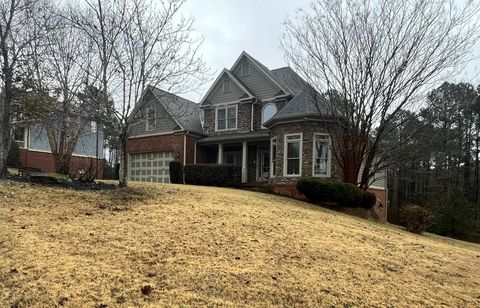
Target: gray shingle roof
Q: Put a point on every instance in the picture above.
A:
(185, 112)
(307, 101)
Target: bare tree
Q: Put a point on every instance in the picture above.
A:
(139, 43)
(56, 80)
(17, 29)
(380, 57)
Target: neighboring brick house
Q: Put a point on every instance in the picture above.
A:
(35, 149)
(262, 120)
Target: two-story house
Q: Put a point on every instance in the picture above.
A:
(260, 119)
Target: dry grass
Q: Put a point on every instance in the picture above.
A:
(199, 246)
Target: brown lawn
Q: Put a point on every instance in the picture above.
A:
(198, 246)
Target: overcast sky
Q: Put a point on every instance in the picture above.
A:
(230, 26)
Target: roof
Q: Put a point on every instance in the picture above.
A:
(306, 102)
(186, 113)
(255, 135)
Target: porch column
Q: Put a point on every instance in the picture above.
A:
(244, 162)
(220, 154)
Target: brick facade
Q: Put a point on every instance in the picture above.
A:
(170, 142)
(46, 162)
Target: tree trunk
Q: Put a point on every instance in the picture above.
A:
(123, 174)
(5, 134)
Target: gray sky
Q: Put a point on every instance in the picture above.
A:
(230, 26)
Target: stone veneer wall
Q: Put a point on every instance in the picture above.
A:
(307, 128)
(243, 120)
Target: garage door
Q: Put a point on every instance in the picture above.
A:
(150, 167)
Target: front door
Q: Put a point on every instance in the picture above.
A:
(264, 167)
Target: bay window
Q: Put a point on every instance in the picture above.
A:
(293, 155)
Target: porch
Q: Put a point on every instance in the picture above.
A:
(249, 151)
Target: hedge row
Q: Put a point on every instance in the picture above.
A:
(212, 175)
(343, 194)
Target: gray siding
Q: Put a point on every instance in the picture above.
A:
(217, 96)
(261, 86)
(38, 141)
(164, 122)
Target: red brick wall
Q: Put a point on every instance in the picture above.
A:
(381, 205)
(171, 142)
(45, 162)
(380, 208)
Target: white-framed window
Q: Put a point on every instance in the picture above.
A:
(245, 68)
(292, 163)
(268, 111)
(227, 85)
(93, 126)
(321, 155)
(226, 118)
(150, 119)
(273, 157)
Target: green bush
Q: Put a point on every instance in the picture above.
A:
(415, 218)
(212, 175)
(343, 194)
(13, 158)
(175, 172)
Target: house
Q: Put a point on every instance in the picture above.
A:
(260, 119)
(35, 149)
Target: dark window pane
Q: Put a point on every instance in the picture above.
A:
(293, 149)
(293, 166)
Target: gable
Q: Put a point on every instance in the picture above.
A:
(256, 80)
(164, 122)
(216, 95)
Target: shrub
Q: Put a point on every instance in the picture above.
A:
(13, 158)
(344, 194)
(415, 218)
(212, 175)
(175, 172)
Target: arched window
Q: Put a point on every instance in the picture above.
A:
(269, 110)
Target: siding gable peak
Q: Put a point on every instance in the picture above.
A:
(219, 81)
(259, 67)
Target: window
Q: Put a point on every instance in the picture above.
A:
(227, 118)
(273, 155)
(93, 126)
(293, 155)
(150, 119)
(245, 70)
(19, 136)
(227, 85)
(321, 155)
(269, 110)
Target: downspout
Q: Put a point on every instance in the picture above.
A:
(184, 154)
(251, 116)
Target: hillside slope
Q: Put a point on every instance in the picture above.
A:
(198, 246)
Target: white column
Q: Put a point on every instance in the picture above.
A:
(244, 162)
(220, 154)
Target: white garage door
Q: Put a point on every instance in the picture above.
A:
(150, 167)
